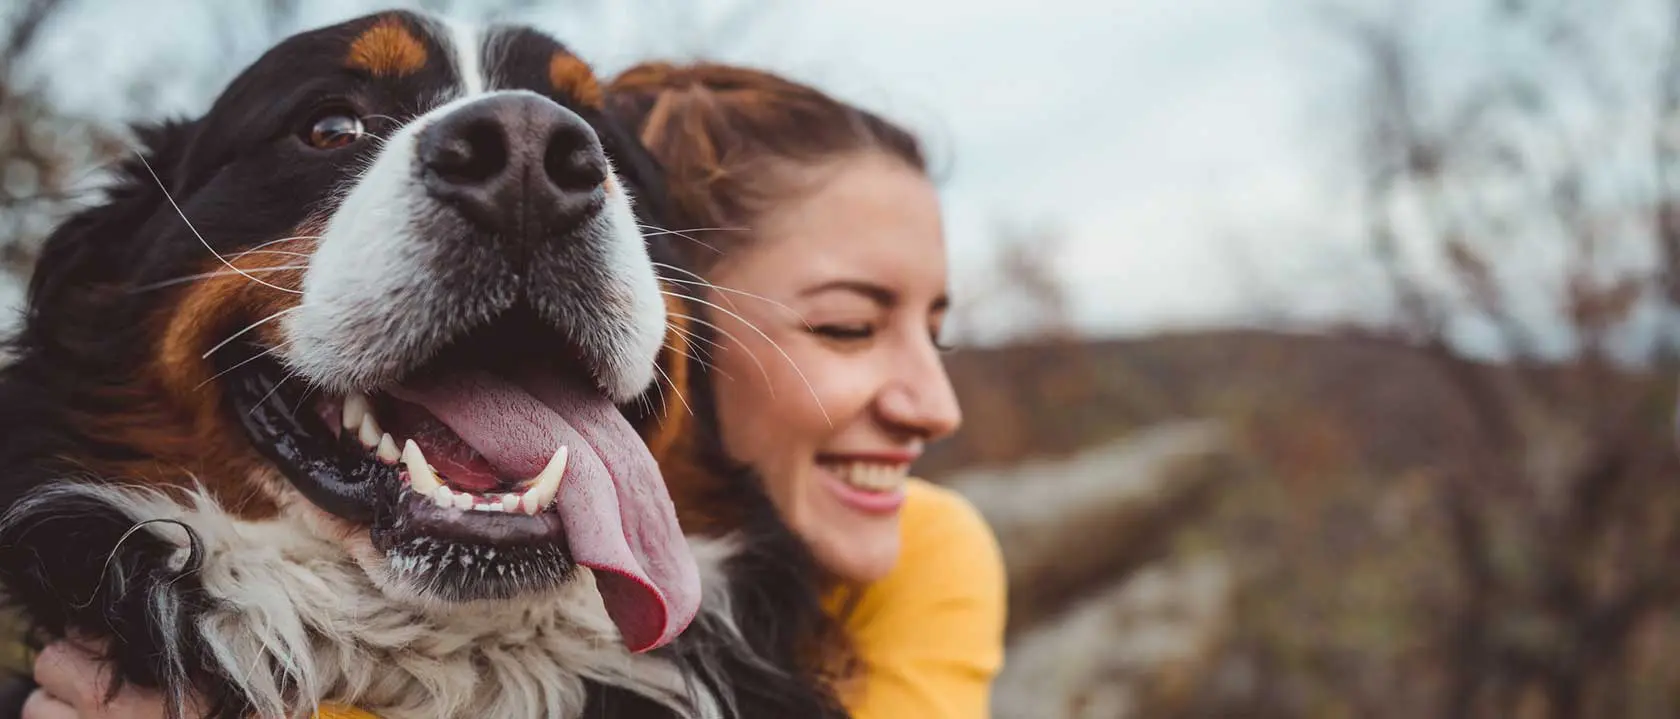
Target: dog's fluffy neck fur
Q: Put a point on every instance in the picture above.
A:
(294, 621)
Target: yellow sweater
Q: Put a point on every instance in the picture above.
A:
(930, 633)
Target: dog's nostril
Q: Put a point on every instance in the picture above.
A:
(518, 164)
(475, 153)
(573, 161)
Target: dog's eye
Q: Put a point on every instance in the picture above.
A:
(334, 129)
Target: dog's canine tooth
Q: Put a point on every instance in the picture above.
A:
(421, 479)
(355, 408)
(546, 485)
(388, 449)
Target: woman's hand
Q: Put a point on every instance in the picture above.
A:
(73, 686)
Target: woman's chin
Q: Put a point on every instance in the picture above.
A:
(862, 550)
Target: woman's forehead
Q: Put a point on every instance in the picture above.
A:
(868, 220)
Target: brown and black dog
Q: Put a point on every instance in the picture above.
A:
(347, 392)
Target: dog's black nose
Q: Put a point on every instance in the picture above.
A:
(517, 164)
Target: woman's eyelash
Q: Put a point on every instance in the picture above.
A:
(844, 332)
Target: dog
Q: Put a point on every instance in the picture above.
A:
(350, 391)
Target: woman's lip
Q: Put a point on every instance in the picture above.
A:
(861, 500)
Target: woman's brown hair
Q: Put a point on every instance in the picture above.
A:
(727, 137)
(730, 140)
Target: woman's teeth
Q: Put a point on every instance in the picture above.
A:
(870, 476)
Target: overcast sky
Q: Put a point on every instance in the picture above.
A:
(1187, 148)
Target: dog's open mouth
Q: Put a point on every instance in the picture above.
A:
(486, 473)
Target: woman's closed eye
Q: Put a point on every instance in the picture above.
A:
(841, 332)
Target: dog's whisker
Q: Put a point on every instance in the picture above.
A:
(661, 231)
(690, 352)
(274, 242)
(694, 229)
(208, 275)
(271, 391)
(761, 368)
(201, 240)
(242, 363)
(773, 344)
(248, 328)
(703, 283)
(674, 389)
(656, 231)
(706, 360)
(304, 400)
(287, 253)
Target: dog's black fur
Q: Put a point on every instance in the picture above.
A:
(80, 568)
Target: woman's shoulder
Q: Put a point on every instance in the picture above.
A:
(940, 522)
(930, 633)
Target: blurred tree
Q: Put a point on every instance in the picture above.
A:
(1513, 212)
(41, 150)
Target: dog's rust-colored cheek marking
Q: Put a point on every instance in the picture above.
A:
(387, 49)
(674, 421)
(177, 416)
(572, 77)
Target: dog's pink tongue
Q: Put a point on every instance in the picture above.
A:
(619, 518)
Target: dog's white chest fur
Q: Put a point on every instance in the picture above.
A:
(298, 622)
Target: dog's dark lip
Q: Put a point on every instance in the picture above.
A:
(421, 517)
(337, 473)
(348, 484)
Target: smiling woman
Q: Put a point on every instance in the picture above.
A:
(820, 293)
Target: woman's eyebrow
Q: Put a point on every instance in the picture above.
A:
(878, 294)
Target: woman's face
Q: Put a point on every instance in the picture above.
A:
(829, 380)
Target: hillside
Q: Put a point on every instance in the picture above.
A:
(1051, 399)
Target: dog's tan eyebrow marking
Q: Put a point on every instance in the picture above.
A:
(387, 49)
(573, 77)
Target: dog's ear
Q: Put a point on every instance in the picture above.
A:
(93, 246)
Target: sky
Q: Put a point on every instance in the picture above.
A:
(1186, 151)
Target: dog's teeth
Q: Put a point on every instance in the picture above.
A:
(370, 431)
(510, 503)
(421, 479)
(546, 485)
(388, 449)
(355, 408)
(528, 504)
(444, 496)
(463, 500)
